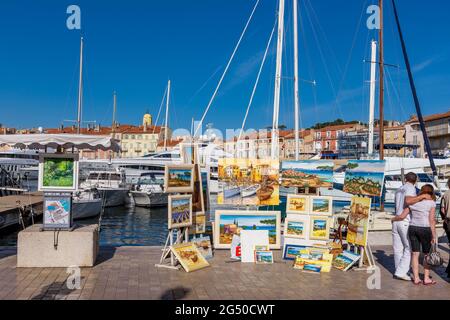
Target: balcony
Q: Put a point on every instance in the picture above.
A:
(438, 132)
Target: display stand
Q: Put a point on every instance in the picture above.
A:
(182, 235)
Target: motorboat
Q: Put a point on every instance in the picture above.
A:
(86, 204)
(149, 191)
(111, 186)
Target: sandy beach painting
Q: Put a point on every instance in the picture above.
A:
(297, 204)
(321, 206)
(358, 221)
(365, 177)
(296, 227)
(319, 228)
(307, 174)
(179, 178)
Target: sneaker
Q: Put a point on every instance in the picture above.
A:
(404, 278)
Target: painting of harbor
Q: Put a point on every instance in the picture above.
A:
(307, 174)
(358, 221)
(365, 177)
(179, 178)
(248, 182)
(230, 223)
(180, 211)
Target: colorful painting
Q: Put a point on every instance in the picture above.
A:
(261, 248)
(319, 228)
(58, 172)
(310, 260)
(179, 178)
(198, 224)
(189, 257)
(204, 246)
(296, 227)
(248, 182)
(365, 178)
(322, 206)
(230, 223)
(205, 188)
(297, 204)
(198, 205)
(263, 257)
(180, 211)
(57, 212)
(291, 251)
(358, 221)
(307, 174)
(345, 260)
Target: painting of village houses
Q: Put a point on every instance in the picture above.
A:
(365, 177)
(248, 182)
(307, 174)
(230, 223)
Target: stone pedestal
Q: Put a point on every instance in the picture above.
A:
(36, 248)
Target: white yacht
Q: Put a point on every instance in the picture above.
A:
(149, 191)
(111, 185)
(86, 204)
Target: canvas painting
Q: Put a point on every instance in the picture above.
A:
(310, 260)
(204, 246)
(180, 211)
(198, 205)
(307, 174)
(321, 206)
(291, 251)
(57, 210)
(345, 260)
(248, 182)
(296, 227)
(230, 223)
(263, 257)
(250, 239)
(319, 228)
(179, 178)
(358, 221)
(297, 204)
(58, 172)
(189, 257)
(365, 178)
(198, 224)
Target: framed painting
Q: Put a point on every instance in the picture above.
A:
(297, 204)
(198, 224)
(345, 260)
(179, 178)
(263, 257)
(307, 174)
(198, 203)
(365, 177)
(203, 245)
(296, 227)
(189, 153)
(231, 222)
(58, 172)
(180, 211)
(291, 251)
(189, 257)
(321, 206)
(358, 221)
(319, 228)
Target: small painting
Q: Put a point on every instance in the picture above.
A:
(297, 204)
(204, 246)
(319, 228)
(57, 211)
(198, 224)
(296, 227)
(322, 206)
(58, 172)
(358, 221)
(291, 251)
(313, 261)
(345, 260)
(365, 177)
(263, 257)
(179, 178)
(189, 256)
(307, 174)
(180, 211)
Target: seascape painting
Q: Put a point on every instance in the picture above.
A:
(248, 182)
(319, 228)
(180, 211)
(230, 223)
(345, 260)
(296, 227)
(365, 177)
(179, 178)
(358, 221)
(292, 251)
(307, 174)
(263, 257)
(322, 206)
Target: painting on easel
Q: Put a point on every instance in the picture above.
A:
(358, 221)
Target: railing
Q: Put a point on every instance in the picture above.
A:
(438, 132)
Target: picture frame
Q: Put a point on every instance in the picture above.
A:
(179, 207)
(58, 172)
(225, 226)
(296, 227)
(198, 202)
(298, 204)
(189, 153)
(319, 228)
(175, 179)
(189, 256)
(198, 224)
(263, 257)
(358, 221)
(57, 211)
(204, 245)
(321, 205)
(291, 251)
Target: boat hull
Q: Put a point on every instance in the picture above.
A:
(85, 209)
(114, 197)
(149, 200)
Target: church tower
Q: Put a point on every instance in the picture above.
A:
(147, 120)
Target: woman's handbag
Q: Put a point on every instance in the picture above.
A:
(434, 259)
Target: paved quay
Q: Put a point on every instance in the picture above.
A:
(129, 273)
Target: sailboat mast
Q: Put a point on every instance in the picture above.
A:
(80, 90)
(276, 102)
(381, 35)
(373, 72)
(296, 80)
(113, 129)
(167, 116)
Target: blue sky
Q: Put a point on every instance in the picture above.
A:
(135, 46)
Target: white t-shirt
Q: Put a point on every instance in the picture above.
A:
(420, 213)
(407, 190)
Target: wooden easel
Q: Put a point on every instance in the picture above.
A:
(182, 235)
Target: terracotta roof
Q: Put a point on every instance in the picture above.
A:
(105, 130)
(170, 143)
(432, 117)
(394, 128)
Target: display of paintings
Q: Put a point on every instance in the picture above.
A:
(58, 172)
(180, 211)
(358, 221)
(365, 177)
(189, 256)
(250, 239)
(291, 251)
(198, 224)
(263, 257)
(296, 227)
(297, 204)
(345, 260)
(179, 178)
(229, 223)
(307, 174)
(57, 211)
(204, 246)
(315, 261)
(248, 182)
(321, 206)
(319, 228)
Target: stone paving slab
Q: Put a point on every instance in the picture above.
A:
(129, 273)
